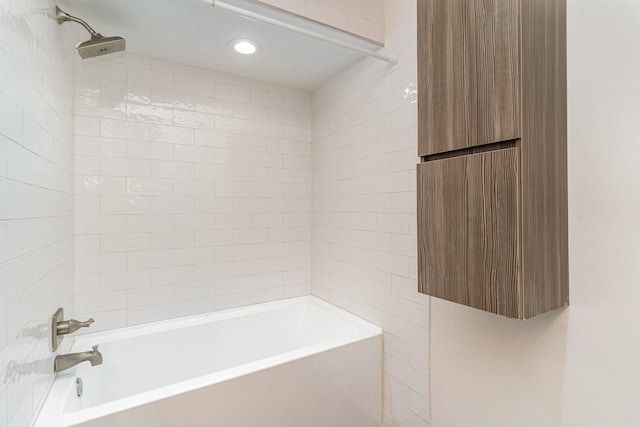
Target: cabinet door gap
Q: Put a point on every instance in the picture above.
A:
(512, 143)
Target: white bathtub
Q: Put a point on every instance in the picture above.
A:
(298, 362)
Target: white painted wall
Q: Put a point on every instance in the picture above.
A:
(577, 367)
(36, 199)
(193, 191)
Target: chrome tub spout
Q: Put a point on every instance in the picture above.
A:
(66, 361)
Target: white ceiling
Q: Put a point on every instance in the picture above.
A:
(194, 33)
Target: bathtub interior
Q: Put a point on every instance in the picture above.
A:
(164, 358)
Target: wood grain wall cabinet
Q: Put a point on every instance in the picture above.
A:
(492, 182)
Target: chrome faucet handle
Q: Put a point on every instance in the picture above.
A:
(60, 327)
(72, 325)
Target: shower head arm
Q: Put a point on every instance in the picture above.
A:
(62, 17)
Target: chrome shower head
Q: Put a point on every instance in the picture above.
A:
(98, 45)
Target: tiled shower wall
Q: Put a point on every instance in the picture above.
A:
(36, 199)
(193, 191)
(364, 194)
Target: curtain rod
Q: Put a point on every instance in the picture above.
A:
(258, 17)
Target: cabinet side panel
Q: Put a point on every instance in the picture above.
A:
(468, 73)
(544, 156)
(468, 230)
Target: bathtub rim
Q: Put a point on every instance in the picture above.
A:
(126, 332)
(65, 381)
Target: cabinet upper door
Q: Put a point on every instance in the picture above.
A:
(468, 73)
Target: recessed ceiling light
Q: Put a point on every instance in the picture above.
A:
(245, 46)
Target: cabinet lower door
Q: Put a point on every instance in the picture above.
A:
(468, 230)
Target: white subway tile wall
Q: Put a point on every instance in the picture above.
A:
(364, 18)
(36, 200)
(193, 191)
(364, 207)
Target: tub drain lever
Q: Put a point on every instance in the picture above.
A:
(60, 327)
